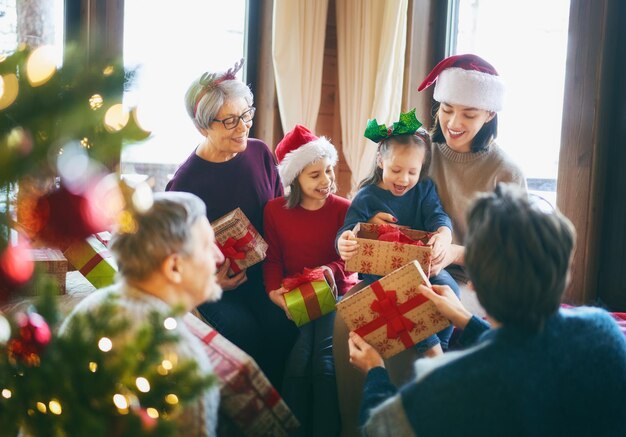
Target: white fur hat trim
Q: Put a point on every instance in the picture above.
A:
(294, 162)
(472, 88)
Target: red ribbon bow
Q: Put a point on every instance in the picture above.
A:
(233, 249)
(394, 234)
(387, 307)
(391, 315)
(308, 275)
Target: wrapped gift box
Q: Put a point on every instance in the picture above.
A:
(103, 237)
(239, 241)
(92, 258)
(309, 297)
(376, 257)
(247, 397)
(391, 314)
(51, 263)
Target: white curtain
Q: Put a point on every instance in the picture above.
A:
(371, 69)
(298, 54)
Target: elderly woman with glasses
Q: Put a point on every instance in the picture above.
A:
(229, 170)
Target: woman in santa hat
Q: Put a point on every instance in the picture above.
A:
(466, 159)
(300, 230)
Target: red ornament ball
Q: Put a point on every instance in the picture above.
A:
(32, 337)
(69, 217)
(16, 268)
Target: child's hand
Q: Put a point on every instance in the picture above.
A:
(440, 242)
(363, 356)
(277, 296)
(347, 245)
(383, 218)
(230, 283)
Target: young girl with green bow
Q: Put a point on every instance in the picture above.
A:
(399, 191)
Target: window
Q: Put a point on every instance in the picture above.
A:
(33, 23)
(526, 42)
(172, 44)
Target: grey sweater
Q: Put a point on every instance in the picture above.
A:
(198, 419)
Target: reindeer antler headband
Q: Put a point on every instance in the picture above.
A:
(209, 81)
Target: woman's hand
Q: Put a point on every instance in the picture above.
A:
(454, 255)
(448, 304)
(383, 218)
(440, 242)
(278, 297)
(347, 245)
(230, 283)
(363, 356)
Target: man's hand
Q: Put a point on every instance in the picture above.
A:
(230, 283)
(363, 356)
(448, 304)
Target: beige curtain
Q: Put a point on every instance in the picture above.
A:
(371, 68)
(298, 53)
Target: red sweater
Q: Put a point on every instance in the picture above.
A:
(300, 238)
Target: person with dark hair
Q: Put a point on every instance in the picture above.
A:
(534, 368)
(465, 157)
(229, 170)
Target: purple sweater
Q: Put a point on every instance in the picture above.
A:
(247, 181)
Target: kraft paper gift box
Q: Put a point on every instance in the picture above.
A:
(239, 241)
(376, 257)
(51, 263)
(247, 397)
(309, 297)
(92, 258)
(391, 314)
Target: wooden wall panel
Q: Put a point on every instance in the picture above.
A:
(328, 120)
(588, 130)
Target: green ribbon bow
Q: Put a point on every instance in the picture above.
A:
(408, 124)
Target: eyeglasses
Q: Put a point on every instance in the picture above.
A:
(232, 122)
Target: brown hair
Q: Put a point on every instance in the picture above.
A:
(518, 255)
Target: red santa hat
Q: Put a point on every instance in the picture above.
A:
(300, 148)
(466, 80)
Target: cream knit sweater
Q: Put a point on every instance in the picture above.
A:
(460, 176)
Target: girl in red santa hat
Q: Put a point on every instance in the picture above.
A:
(465, 157)
(300, 230)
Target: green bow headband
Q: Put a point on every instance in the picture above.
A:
(408, 124)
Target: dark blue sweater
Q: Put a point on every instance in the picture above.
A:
(420, 208)
(567, 380)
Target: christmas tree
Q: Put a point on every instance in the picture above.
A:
(61, 132)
